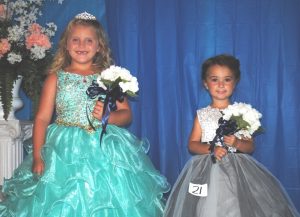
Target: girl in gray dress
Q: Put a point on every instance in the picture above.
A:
(232, 183)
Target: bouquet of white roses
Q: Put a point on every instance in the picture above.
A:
(116, 76)
(112, 85)
(239, 119)
(246, 117)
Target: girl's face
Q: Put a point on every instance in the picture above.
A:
(82, 44)
(220, 82)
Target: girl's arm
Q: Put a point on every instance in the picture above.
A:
(194, 145)
(42, 120)
(121, 117)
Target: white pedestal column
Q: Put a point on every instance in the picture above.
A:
(12, 135)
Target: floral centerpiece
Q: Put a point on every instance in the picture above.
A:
(112, 85)
(24, 49)
(240, 119)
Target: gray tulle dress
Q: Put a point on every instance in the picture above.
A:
(236, 186)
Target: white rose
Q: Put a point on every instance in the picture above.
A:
(125, 75)
(100, 83)
(124, 86)
(134, 85)
(131, 86)
(109, 75)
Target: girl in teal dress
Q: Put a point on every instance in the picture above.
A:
(68, 173)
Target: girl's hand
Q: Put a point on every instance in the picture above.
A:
(220, 152)
(98, 110)
(231, 140)
(38, 166)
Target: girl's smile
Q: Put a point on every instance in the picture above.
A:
(220, 82)
(82, 44)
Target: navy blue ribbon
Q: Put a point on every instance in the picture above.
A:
(226, 127)
(109, 97)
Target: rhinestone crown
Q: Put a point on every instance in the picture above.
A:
(85, 16)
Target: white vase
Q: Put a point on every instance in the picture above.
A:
(17, 102)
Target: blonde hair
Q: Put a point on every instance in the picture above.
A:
(102, 59)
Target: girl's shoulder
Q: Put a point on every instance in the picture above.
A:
(202, 112)
(52, 76)
(208, 113)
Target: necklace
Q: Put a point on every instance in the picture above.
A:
(84, 79)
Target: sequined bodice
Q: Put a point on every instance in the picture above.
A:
(208, 118)
(72, 103)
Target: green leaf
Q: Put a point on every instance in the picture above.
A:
(6, 87)
(242, 124)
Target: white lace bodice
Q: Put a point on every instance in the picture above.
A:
(208, 118)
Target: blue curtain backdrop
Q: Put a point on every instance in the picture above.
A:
(164, 42)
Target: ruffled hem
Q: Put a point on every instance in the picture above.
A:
(116, 179)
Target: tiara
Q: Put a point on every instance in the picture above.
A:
(85, 16)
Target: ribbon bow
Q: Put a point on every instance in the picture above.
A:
(226, 127)
(109, 97)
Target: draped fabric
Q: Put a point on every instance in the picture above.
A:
(164, 42)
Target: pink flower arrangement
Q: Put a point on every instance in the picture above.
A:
(22, 37)
(37, 38)
(4, 46)
(25, 49)
(35, 28)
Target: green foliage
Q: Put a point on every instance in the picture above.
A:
(113, 84)
(25, 50)
(240, 122)
(8, 76)
(33, 73)
(244, 124)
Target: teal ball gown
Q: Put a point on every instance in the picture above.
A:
(82, 178)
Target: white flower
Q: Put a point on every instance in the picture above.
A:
(125, 74)
(50, 31)
(247, 118)
(13, 58)
(131, 86)
(100, 83)
(113, 74)
(110, 74)
(37, 52)
(15, 33)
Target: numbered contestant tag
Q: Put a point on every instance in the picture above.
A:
(198, 190)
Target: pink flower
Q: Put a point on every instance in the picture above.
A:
(35, 28)
(2, 11)
(38, 39)
(4, 46)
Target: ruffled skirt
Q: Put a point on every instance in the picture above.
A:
(237, 186)
(82, 179)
